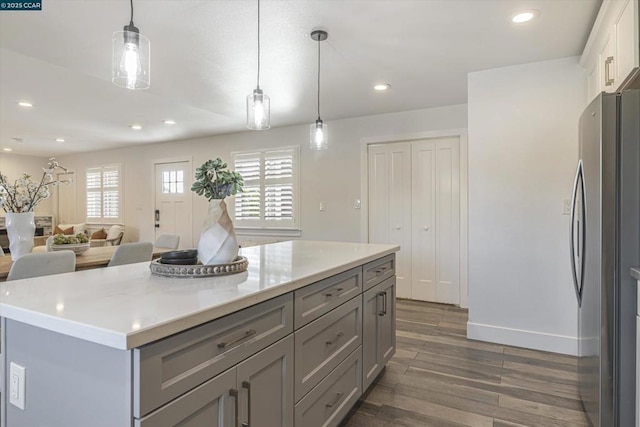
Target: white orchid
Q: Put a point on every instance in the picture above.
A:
(24, 194)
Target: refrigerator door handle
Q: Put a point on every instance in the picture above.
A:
(572, 236)
(583, 232)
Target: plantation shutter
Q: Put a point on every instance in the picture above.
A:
(103, 193)
(270, 187)
(94, 193)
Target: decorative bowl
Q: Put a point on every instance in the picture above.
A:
(77, 248)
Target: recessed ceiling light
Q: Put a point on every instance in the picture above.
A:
(382, 87)
(59, 139)
(524, 16)
(7, 149)
(169, 122)
(135, 127)
(25, 104)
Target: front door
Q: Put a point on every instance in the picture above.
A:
(173, 201)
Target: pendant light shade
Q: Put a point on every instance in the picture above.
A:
(258, 104)
(131, 57)
(318, 136)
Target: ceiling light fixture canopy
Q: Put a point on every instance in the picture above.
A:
(318, 137)
(382, 87)
(258, 104)
(131, 57)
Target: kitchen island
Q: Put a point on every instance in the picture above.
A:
(294, 340)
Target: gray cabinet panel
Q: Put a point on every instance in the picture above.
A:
(324, 343)
(168, 368)
(371, 359)
(208, 405)
(315, 300)
(388, 320)
(378, 329)
(328, 403)
(379, 270)
(265, 383)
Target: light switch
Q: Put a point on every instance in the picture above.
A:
(17, 385)
(322, 206)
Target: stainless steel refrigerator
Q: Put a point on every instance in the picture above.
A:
(605, 244)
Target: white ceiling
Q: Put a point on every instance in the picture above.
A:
(204, 62)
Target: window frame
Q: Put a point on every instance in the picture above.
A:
(120, 192)
(264, 226)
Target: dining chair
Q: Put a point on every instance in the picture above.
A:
(42, 264)
(129, 253)
(169, 241)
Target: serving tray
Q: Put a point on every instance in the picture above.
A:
(238, 265)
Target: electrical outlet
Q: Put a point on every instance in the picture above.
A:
(357, 204)
(322, 206)
(566, 207)
(17, 385)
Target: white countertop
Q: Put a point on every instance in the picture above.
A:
(126, 306)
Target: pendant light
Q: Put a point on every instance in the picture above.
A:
(131, 57)
(258, 104)
(318, 138)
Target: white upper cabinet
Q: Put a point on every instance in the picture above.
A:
(612, 54)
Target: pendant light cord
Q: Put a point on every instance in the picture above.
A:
(258, 79)
(318, 79)
(131, 20)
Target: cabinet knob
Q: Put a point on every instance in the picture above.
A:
(398, 227)
(426, 228)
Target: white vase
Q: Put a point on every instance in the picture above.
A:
(20, 229)
(218, 243)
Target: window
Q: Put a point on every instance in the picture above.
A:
(173, 182)
(104, 193)
(270, 192)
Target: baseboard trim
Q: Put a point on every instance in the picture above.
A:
(522, 338)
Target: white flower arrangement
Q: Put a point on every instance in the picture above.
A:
(23, 195)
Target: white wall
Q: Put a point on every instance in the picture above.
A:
(523, 148)
(332, 176)
(13, 166)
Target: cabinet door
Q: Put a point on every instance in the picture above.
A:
(211, 404)
(387, 322)
(371, 315)
(627, 52)
(608, 64)
(265, 381)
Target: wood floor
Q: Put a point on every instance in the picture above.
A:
(439, 378)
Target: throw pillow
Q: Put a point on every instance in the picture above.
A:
(65, 231)
(100, 234)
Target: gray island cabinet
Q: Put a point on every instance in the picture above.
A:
(294, 341)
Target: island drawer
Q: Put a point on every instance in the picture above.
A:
(330, 401)
(379, 270)
(168, 368)
(315, 300)
(324, 343)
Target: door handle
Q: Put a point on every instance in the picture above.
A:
(572, 234)
(380, 312)
(247, 385)
(608, 80)
(234, 393)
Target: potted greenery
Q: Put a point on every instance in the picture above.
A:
(19, 198)
(218, 243)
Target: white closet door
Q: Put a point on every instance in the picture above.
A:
(390, 205)
(436, 220)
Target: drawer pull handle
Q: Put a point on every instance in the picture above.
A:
(234, 393)
(246, 335)
(335, 400)
(333, 341)
(333, 292)
(381, 270)
(247, 385)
